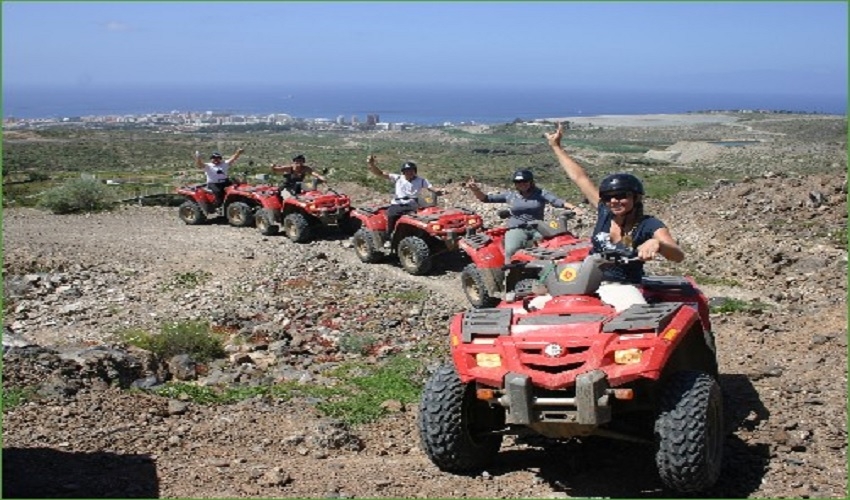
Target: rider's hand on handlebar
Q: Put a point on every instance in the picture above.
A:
(649, 249)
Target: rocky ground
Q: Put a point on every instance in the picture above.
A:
(71, 283)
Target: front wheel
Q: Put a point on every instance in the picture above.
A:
(414, 255)
(191, 213)
(349, 225)
(457, 430)
(239, 214)
(364, 246)
(689, 432)
(266, 223)
(296, 227)
(475, 288)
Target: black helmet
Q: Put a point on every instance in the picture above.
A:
(299, 158)
(621, 182)
(408, 165)
(523, 175)
(215, 155)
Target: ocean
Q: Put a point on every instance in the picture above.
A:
(418, 105)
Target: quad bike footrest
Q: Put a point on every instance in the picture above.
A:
(478, 241)
(653, 317)
(486, 322)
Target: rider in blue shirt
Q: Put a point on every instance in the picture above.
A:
(621, 223)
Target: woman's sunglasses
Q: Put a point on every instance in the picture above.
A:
(615, 195)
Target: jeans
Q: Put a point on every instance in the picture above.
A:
(517, 238)
(218, 190)
(394, 213)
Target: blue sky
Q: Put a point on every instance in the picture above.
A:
(758, 47)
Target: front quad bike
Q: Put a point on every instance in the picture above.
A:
(241, 205)
(303, 214)
(483, 280)
(571, 366)
(418, 237)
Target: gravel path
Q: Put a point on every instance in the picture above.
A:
(71, 282)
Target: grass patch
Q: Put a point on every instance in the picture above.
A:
(187, 280)
(190, 337)
(354, 398)
(393, 381)
(16, 396)
(731, 305)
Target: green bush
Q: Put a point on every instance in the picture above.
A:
(357, 343)
(77, 195)
(190, 337)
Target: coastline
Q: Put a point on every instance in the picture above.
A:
(647, 120)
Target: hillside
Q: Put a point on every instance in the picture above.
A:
(774, 241)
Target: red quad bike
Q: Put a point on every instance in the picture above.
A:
(240, 203)
(484, 280)
(302, 215)
(574, 367)
(418, 237)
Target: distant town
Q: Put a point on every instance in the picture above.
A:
(179, 121)
(193, 121)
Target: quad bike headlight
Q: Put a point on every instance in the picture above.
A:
(488, 360)
(627, 356)
(436, 227)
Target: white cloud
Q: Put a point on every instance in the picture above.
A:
(117, 26)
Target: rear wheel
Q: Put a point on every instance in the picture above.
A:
(364, 246)
(296, 227)
(239, 214)
(266, 223)
(414, 255)
(475, 288)
(457, 430)
(190, 213)
(689, 431)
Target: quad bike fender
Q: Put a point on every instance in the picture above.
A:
(271, 203)
(591, 405)
(678, 342)
(373, 219)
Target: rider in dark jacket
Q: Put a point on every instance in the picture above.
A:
(527, 206)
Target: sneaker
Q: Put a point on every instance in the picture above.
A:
(388, 244)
